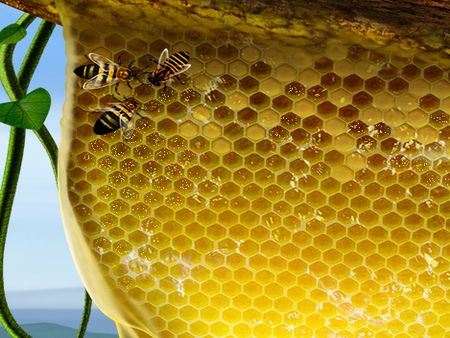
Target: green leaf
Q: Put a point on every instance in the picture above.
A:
(12, 34)
(29, 112)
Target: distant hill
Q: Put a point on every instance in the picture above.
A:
(67, 298)
(98, 322)
(47, 330)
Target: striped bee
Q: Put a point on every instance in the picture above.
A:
(117, 116)
(104, 72)
(169, 67)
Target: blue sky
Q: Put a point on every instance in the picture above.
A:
(37, 255)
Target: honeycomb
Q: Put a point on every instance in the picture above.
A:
(279, 191)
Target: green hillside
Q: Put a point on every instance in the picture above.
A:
(47, 330)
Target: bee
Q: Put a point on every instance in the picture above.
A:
(104, 72)
(118, 115)
(169, 67)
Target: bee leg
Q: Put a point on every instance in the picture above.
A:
(119, 59)
(179, 80)
(131, 63)
(116, 89)
(152, 60)
(129, 86)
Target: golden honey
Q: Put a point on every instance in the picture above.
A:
(283, 190)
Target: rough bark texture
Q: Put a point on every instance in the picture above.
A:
(421, 23)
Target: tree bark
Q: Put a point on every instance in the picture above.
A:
(425, 22)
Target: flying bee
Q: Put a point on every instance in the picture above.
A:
(104, 72)
(169, 67)
(118, 115)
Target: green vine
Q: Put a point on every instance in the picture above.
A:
(16, 87)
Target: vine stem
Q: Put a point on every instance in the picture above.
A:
(11, 174)
(86, 314)
(16, 87)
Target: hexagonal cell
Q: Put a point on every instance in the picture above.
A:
(323, 64)
(238, 68)
(321, 139)
(227, 83)
(223, 114)
(410, 72)
(362, 99)
(260, 70)
(439, 119)
(215, 68)
(312, 123)
(248, 84)
(233, 131)
(282, 103)
(205, 51)
(278, 134)
(167, 126)
(214, 98)
(247, 116)
(348, 113)
(398, 86)
(271, 87)
(357, 127)
(353, 83)
(429, 102)
(330, 81)
(137, 46)
(259, 100)
(381, 131)
(114, 41)
(374, 85)
(87, 100)
(250, 54)
(357, 52)
(432, 73)
(227, 52)
(388, 71)
(285, 73)
(317, 93)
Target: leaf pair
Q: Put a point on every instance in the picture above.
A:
(12, 34)
(29, 112)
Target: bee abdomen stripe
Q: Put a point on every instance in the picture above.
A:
(112, 119)
(109, 121)
(105, 74)
(183, 56)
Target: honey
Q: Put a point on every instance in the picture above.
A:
(277, 191)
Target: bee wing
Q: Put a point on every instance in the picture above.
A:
(128, 130)
(183, 69)
(162, 58)
(92, 83)
(100, 59)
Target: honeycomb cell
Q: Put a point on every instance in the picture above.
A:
(238, 68)
(285, 73)
(439, 119)
(432, 73)
(429, 102)
(294, 89)
(398, 86)
(260, 69)
(317, 93)
(259, 100)
(362, 99)
(227, 52)
(248, 84)
(282, 103)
